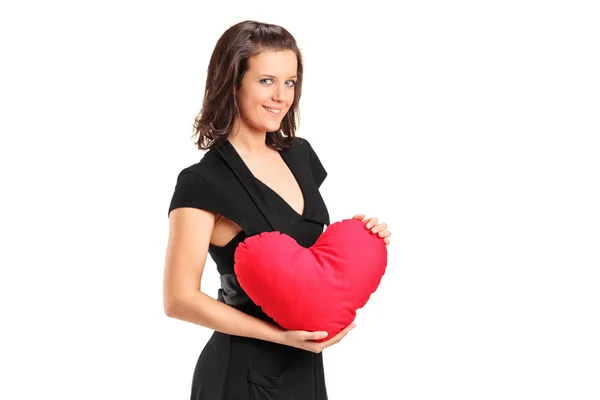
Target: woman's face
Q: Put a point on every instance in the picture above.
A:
(267, 90)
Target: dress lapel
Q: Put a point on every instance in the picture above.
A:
(314, 206)
(251, 185)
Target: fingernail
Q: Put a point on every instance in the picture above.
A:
(323, 335)
(368, 226)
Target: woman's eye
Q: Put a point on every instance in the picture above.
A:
(269, 81)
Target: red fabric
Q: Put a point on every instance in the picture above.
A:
(317, 288)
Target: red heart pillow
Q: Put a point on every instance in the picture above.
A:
(317, 288)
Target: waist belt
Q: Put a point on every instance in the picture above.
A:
(231, 292)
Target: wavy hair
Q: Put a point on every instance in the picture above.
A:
(228, 64)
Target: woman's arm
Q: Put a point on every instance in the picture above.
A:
(190, 230)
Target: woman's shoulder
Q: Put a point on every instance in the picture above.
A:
(301, 144)
(209, 169)
(299, 141)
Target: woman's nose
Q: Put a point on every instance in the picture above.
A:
(279, 94)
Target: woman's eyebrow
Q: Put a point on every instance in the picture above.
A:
(274, 77)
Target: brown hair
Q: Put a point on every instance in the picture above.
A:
(228, 64)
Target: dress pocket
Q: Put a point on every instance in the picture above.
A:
(267, 387)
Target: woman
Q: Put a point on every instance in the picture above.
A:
(255, 177)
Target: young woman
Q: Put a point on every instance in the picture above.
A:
(256, 176)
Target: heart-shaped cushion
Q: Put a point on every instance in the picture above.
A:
(314, 289)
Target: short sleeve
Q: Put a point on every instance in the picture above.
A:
(316, 167)
(192, 190)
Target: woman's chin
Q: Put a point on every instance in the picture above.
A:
(272, 127)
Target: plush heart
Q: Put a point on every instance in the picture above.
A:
(314, 289)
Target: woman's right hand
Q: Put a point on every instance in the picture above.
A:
(307, 340)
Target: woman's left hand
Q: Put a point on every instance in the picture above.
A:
(379, 228)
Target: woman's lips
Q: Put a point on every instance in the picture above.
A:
(274, 112)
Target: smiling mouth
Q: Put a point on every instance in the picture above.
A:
(272, 111)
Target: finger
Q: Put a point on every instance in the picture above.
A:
(315, 335)
(384, 234)
(372, 222)
(339, 336)
(386, 241)
(359, 216)
(379, 227)
(343, 333)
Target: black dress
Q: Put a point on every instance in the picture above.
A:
(235, 367)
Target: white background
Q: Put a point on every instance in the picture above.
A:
(470, 127)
